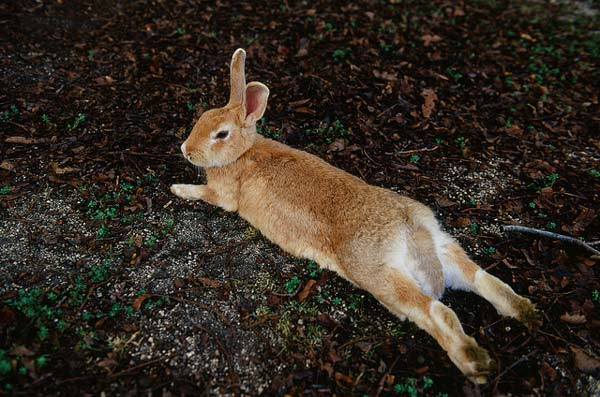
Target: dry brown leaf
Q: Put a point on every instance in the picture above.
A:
(462, 221)
(430, 97)
(63, 170)
(7, 165)
(304, 110)
(583, 220)
(573, 318)
(306, 290)
(22, 140)
(338, 145)
(104, 80)
(108, 364)
(21, 351)
(444, 202)
(584, 362)
(137, 303)
(428, 39)
(209, 282)
(385, 75)
(345, 378)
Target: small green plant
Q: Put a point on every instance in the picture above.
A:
(151, 240)
(78, 120)
(489, 250)
(594, 173)
(531, 204)
(180, 31)
(415, 158)
(314, 271)
(460, 142)
(335, 130)
(45, 118)
(551, 179)
(340, 54)
(551, 225)
(5, 190)
(457, 76)
(336, 301)
(102, 231)
(292, 284)
(474, 228)
(126, 186)
(355, 301)
(411, 386)
(5, 365)
(398, 332)
(263, 129)
(596, 296)
(98, 273)
(192, 107)
(9, 114)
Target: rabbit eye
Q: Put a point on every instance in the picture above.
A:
(222, 134)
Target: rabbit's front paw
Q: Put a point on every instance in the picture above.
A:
(186, 192)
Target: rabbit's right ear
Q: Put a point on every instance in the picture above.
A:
(255, 101)
(238, 78)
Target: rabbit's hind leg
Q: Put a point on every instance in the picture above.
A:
(460, 272)
(403, 297)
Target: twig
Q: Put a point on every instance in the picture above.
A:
(561, 237)
(418, 150)
(519, 361)
(382, 381)
(140, 366)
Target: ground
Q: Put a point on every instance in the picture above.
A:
(487, 111)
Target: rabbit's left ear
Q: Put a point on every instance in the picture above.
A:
(255, 101)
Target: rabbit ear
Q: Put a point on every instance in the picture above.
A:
(238, 77)
(255, 101)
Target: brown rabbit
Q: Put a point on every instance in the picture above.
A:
(387, 244)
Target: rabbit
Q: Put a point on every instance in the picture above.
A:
(387, 244)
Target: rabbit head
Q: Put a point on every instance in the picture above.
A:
(222, 135)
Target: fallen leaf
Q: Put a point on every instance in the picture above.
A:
(428, 39)
(6, 165)
(385, 75)
(63, 170)
(573, 318)
(7, 316)
(430, 97)
(304, 110)
(21, 351)
(364, 346)
(584, 362)
(444, 202)
(344, 378)
(104, 80)
(23, 140)
(137, 303)
(583, 220)
(306, 290)
(338, 145)
(179, 282)
(209, 282)
(462, 222)
(108, 364)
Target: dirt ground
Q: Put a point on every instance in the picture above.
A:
(109, 285)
